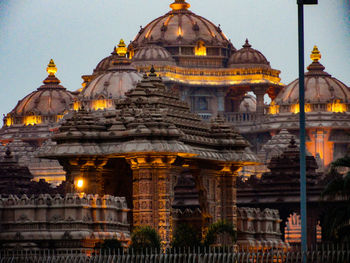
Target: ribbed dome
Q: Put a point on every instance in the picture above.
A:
(105, 63)
(320, 87)
(248, 104)
(50, 99)
(111, 85)
(248, 57)
(180, 26)
(152, 54)
(118, 79)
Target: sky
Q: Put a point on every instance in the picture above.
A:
(77, 34)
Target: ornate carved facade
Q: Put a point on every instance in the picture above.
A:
(72, 221)
(153, 133)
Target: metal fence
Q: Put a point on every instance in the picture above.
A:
(339, 255)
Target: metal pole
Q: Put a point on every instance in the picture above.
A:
(302, 129)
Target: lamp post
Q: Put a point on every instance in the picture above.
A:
(303, 212)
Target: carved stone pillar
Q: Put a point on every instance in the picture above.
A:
(259, 93)
(220, 94)
(152, 193)
(227, 194)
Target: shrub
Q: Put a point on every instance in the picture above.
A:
(145, 237)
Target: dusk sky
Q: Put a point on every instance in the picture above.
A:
(77, 34)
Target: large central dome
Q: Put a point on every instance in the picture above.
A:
(197, 36)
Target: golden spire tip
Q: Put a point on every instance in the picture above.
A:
(315, 54)
(121, 49)
(180, 5)
(51, 68)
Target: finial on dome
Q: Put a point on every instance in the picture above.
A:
(121, 49)
(247, 43)
(51, 68)
(180, 5)
(315, 54)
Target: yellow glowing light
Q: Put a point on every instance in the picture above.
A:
(336, 106)
(80, 183)
(99, 104)
(59, 117)
(296, 109)
(227, 76)
(179, 5)
(200, 49)
(315, 54)
(121, 49)
(274, 109)
(9, 121)
(179, 31)
(76, 105)
(32, 120)
(148, 33)
(131, 53)
(51, 68)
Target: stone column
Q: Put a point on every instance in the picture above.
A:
(227, 208)
(259, 93)
(152, 193)
(220, 94)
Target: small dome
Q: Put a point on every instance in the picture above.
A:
(320, 87)
(49, 100)
(119, 78)
(248, 104)
(107, 62)
(152, 54)
(111, 85)
(248, 57)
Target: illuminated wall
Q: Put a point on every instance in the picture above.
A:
(200, 49)
(99, 104)
(292, 231)
(320, 145)
(32, 120)
(336, 106)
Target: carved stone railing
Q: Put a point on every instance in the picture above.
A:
(70, 221)
(204, 115)
(241, 117)
(259, 228)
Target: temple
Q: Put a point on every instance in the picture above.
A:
(161, 130)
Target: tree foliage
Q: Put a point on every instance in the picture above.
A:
(186, 235)
(145, 237)
(220, 227)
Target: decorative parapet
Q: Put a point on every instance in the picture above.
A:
(66, 221)
(259, 229)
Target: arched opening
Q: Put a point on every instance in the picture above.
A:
(200, 49)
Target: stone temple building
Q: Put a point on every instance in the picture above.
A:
(130, 133)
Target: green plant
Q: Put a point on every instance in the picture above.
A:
(145, 237)
(217, 228)
(186, 235)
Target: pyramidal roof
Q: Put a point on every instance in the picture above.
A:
(151, 119)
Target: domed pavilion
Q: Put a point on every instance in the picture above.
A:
(32, 122)
(111, 79)
(194, 58)
(327, 107)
